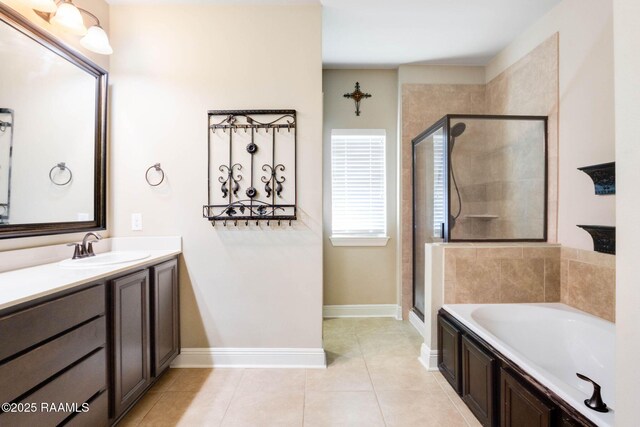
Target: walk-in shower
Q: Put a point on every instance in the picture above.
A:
(478, 178)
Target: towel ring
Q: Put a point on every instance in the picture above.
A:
(62, 166)
(158, 169)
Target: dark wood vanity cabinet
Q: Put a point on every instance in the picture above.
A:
(131, 339)
(449, 353)
(478, 373)
(496, 390)
(145, 331)
(519, 406)
(52, 353)
(165, 315)
(96, 348)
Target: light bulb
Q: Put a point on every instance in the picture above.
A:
(96, 40)
(48, 6)
(68, 16)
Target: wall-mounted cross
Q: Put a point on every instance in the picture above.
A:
(357, 95)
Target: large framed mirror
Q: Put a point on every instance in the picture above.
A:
(52, 134)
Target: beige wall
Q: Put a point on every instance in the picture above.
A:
(627, 110)
(358, 274)
(100, 8)
(586, 115)
(240, 286)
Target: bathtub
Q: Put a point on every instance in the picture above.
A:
(551, 342)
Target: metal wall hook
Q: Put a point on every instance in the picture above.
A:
(158, 169)
(62, 166)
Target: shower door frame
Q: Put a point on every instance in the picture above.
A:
(545, 120)
(445, 123)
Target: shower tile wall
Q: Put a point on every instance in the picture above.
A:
(423, 105)
(530, 86)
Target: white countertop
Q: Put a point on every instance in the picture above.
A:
(27, 284)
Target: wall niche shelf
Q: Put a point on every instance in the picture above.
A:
(252, 167)
(603, 176)
(604, 238)
(485, 217)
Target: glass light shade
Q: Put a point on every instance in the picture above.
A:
(96, 40)
(48, 6)
(68, 16)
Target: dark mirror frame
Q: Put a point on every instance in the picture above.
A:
(21, 24)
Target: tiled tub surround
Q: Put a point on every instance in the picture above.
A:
(516, 273)
(588, 281)
(486, 273)
(501, 274)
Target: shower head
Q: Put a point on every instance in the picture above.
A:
(458, 129)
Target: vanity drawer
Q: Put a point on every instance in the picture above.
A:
(77, 385)
(30, 369)
(97, 416)
(21, 330)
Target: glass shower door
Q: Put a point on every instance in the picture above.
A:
(429, 202)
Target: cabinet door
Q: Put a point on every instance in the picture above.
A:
(165, 315)
(131, 352)
(449, 353)
(478, 373)
(519, 407)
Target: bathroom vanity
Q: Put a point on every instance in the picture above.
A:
(79, 346)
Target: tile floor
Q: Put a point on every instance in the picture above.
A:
(373, 378)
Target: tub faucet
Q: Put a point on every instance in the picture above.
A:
(85, 249)
(595, 402)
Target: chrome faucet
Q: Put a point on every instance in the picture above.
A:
(84, 249)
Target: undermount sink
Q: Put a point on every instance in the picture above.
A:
(107, 258)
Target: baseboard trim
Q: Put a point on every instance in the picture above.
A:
(428, 358)
(363, 310)
(250, 358)
(416, 322)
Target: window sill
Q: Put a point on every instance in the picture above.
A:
(359, 240)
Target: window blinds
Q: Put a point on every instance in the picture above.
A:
(438, 185)
(358, 183)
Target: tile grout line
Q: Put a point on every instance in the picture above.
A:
(373, 387)
(304, 394)
(149, 411)
(233, 395)
(442, 387)
(162, 393)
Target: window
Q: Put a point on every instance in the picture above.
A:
(358, 187)
(438, 184)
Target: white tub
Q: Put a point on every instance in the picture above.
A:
(551, 342)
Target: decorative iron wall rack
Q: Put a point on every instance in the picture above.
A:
(251, 167)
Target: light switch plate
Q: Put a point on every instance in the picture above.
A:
(136, 222)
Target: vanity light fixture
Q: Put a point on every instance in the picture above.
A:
(47, 6)
(68, 16)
